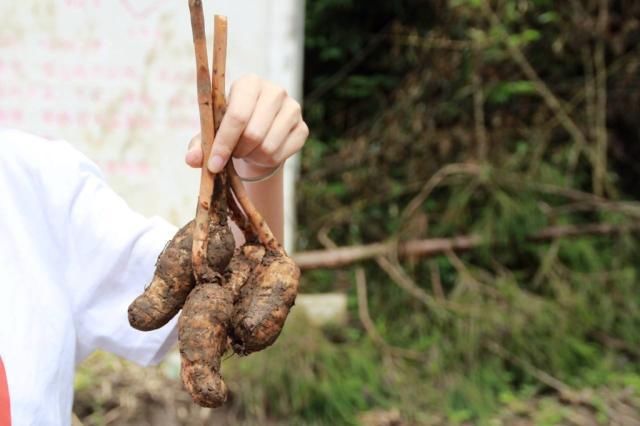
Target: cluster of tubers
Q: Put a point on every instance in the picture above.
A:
(231, 298)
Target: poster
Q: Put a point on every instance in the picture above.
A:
(116, 78)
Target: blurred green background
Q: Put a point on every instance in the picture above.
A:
(507, 120)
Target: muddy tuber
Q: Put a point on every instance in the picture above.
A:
(170, 286)
(231, 298)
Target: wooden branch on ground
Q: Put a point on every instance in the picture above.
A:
(342, 256)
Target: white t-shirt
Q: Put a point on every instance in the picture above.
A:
(73, 256)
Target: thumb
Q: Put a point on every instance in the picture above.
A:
(193, 157)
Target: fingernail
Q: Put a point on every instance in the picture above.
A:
(191, 156)
(216, 163)
(194, 157)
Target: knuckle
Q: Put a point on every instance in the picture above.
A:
(296, 117)
(241, 150)
(280, 93)
(297, 108)
(275, 91)
(293, 110)
(271, 162)
(268, 150)
(194, 141)
(253, 135)
(237, 118)
(222, 150)
(249, 79)
(304, 130)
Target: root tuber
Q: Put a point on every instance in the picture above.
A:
(203, 326)
(221, 243)
(242, 266)
(170, 286)
(206, 316)
(229, 298)
(265, 300)
(264, 303)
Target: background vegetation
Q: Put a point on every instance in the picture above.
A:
(439, 119)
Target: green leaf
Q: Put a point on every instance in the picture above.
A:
(503, 92)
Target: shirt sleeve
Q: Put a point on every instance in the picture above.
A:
(112, 252)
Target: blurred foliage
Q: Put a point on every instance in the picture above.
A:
(392, 95)
(502, 100)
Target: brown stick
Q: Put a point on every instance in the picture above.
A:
(219, 104)
(207, 132)
(219, 67)
(260, 226)
(335, 258)
(239, 217)
(218, 74)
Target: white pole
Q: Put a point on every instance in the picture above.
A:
(285, 66)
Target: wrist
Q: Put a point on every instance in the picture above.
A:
(251, 172)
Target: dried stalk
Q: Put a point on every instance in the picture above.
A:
(207, 132)
(218, 83)
(466, 275)
(628, 208)
(553, 102)
(343, 256)
(239, 217)
(565, 391)
(478, 106)
(369, 326)
(600, 157)
(589, 88)
(400, 277)
(363, 309)
(219, 67)
(436, 281)
(260, 226)
(434, 181)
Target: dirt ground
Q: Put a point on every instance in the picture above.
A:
(110, 391)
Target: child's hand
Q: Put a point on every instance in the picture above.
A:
(263, 126)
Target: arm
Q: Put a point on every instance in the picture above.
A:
(262, 127)
(267, 195)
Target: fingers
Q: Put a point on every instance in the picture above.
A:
(242, 102)
(262, 125)
(270, 152)
(267, 108)
(294, 143)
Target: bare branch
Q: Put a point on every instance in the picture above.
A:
(369, 326)
(553, 102)
(478, 106)
(600, 155)
(342, 256)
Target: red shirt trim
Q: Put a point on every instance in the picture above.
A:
(5, 406)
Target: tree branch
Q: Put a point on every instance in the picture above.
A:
(343, 256)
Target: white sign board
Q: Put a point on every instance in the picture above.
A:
(116, 78)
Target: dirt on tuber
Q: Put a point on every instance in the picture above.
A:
(231, 298)
(203, 329)
(170, 286)
(264, 303)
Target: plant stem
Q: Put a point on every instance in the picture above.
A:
(207, 132)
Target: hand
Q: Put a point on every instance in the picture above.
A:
(262, 126)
